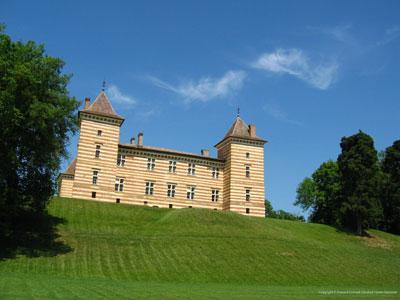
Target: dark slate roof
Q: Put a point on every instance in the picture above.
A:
(71, 168)
(169, 151)
(102, 106)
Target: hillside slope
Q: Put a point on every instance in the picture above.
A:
(131, 252)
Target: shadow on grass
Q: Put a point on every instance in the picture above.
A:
(33, 236)
(352, 232)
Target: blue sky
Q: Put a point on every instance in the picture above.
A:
(306, 73)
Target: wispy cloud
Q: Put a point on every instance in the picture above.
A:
(205, 89)
(341, 33)
(116, 96)
(294, 62)
(148, 113)
(391, 34)
(276, 112)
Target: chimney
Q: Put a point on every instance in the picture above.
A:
(205, 152)
(252, 130)
(87, 103)
(132, 141)
(140, 139)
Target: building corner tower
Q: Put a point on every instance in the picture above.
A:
(97, 151)
(243, 152)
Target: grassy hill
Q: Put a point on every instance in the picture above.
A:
(121, 251)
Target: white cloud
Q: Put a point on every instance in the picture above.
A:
(276, 112)
(294, 62)
(145, 114)
(391, 34)
(207, 88)
(341, 33)
(117, 97)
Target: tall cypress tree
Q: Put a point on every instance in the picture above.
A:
(391, 197)
(359, 206)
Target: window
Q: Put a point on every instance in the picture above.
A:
(214, 195)
(118, 200)
(247, 154)
(191, 169)
(97, 154)
(149, 188)
(151, 163)
(171, 190)
(120, 160)
(247, 171)
(119, 184)
(170, 205)
(95, 176)
(99, 132)
(248, 194)
(215, 172)
(93, 194)
(190, 192)
(172, 166)
(247, 210)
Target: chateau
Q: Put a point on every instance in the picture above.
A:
(134, 173)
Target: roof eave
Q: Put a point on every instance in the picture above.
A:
(241, 137)
(171, 152)
(103, 115)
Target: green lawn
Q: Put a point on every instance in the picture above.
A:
(121, 251)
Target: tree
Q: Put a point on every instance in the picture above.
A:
(391, 188)
(280, 214)
(306, 194)
(36, 115)
(359, 173)
(320, 193)
(269, 211)
(327, 182)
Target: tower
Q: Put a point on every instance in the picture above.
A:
(243, 152)
(97, 150)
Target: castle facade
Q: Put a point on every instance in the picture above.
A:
(134, 173)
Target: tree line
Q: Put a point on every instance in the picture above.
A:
(360, 190)
(280, 213)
